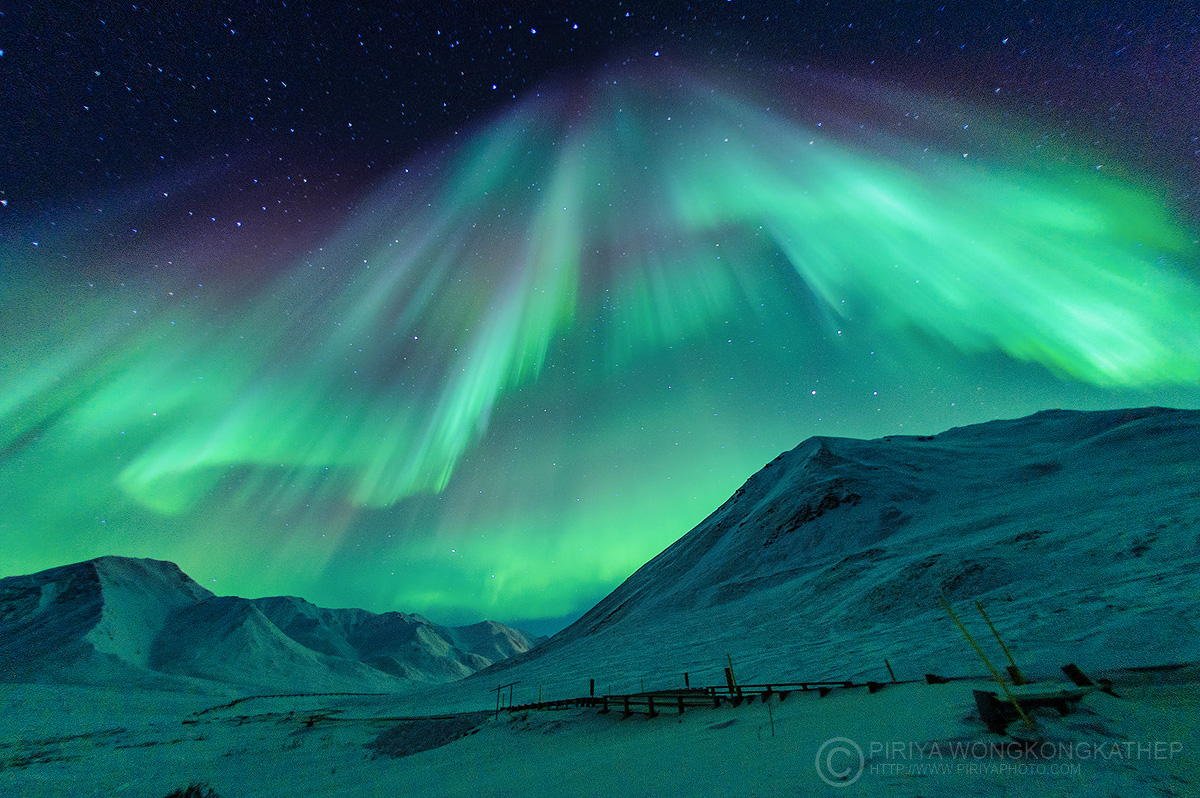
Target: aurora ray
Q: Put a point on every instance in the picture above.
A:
(597, 240)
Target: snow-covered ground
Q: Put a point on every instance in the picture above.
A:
(1080, 532)
(915, 739)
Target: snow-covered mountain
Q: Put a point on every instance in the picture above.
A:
(409, 646)
(116, 619)
(1079, 530)
(98, 618)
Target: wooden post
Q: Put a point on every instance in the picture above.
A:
(732, 680)
(680, 705)
(1076, 675)
(500, 693)
(627, 712)
(650, 713)
(1081, 679)
(687, 682)
(592, 687)
(729, 680)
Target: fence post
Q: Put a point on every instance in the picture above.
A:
(592, 687)
(687, 682)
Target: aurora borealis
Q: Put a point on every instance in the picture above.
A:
(532, 355)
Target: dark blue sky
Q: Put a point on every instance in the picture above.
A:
(106, 98)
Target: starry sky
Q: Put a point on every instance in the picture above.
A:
(470, 309)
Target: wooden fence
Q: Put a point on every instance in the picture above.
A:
(653, 702)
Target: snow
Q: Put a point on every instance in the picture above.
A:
(79, 620)
(269, 747)
(117, 620)
(1079, 531)
(230, 640)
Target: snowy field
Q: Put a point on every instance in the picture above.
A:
(915, 739)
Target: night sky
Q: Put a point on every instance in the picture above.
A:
(470, 309)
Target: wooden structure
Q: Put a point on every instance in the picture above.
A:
(652, 702)
(998, 712)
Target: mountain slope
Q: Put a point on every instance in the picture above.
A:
(230, 640)
(100, 614)
(1080, 530)
(395, 642)
(117, 619)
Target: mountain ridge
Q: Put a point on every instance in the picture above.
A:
(116, 618)
(1081, 529)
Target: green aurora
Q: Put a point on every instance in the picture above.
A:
(513, 375)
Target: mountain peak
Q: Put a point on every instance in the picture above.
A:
(1073, 526)
(129, 618)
